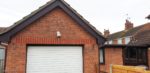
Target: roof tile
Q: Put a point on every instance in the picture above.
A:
(142, 37)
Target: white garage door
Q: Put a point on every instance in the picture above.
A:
(54, 59)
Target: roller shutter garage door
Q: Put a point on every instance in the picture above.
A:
(54, 59)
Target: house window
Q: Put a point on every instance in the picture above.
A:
(106, 42)
(101, 55)
(135, 56)
(120, 41)
(132, 53)
(2, 53)
(110, 42)
(127, 40)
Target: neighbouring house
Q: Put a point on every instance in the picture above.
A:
(142, 39)
(52, 39)
(119, 50)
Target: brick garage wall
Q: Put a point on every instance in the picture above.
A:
(112, 56)
(149, 57)
(43, 31)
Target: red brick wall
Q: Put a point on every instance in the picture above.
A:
(115, 41)
(112, 56)
(149, 57)
(43, 31)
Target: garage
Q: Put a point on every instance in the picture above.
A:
(54, 59)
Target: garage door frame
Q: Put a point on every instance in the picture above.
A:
(54, 45)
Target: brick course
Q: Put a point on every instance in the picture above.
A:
(43, 31)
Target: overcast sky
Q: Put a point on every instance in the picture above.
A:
(103, 14)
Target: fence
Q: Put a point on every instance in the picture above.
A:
(127, 69)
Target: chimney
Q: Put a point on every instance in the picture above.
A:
(106, 33)
(128, 25)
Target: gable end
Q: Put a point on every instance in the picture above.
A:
(11, 31)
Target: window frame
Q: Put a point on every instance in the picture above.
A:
(127, 38)
(103, 50)
(110, 42)
(119, 41)
(4, 58)
(135, 61)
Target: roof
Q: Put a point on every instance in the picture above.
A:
(148, 17)
(6, 34)
(124, 33)
(2, 29)
(142, 37)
